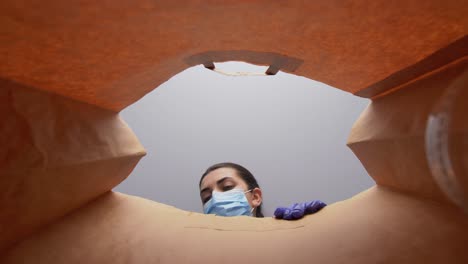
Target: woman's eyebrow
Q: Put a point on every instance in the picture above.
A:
(218, 182)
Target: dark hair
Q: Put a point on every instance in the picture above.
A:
(245, 174)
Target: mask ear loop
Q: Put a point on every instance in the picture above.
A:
(253, 208)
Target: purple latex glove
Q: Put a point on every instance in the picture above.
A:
(298, 210)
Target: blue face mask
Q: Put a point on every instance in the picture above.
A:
(229, 203)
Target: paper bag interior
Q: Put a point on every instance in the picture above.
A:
(68, 68)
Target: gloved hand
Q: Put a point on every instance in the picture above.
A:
(298, 210)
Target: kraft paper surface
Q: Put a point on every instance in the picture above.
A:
(376, 226)
(69, 67)
(389, 136)
(111, 55)
(56, 154)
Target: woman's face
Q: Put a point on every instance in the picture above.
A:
(225, 179)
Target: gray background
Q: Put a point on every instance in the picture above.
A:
(289, 131)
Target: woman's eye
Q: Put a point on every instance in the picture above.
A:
(227, 188)
(206, 199)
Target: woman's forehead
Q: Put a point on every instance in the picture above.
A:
(218, 174)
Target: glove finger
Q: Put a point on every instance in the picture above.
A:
(314, 206)
(287, 214)
(279, 212)
(296, 211)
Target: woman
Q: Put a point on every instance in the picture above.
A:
(228, 189)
